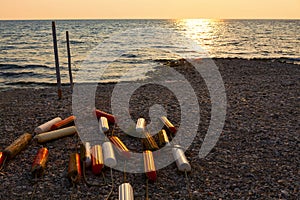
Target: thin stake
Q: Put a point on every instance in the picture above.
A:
(56, 60)
(69, 60)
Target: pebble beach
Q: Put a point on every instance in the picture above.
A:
(256, 156)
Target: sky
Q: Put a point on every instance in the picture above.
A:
(149, 9)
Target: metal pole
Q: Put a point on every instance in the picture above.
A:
(69, 60)
(59, 92)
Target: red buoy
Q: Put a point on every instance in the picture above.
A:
(1, 159)
(120, 147)
(39, 163)
(97, 159)
(149, 165)
(99, 113)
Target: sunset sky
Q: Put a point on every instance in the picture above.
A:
(150, 9)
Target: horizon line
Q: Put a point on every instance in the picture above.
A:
(57, 19)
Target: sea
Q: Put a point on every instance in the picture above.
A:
(107, 49)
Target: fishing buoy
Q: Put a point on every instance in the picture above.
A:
(63, 123)
(126, 192)
(53, 135)
(103, 124)
(17, 146)
(111, 119)
(169, 125)
(149, 142)
(47, 126)
(181, 161)
(2, 158)
(97, 159)
(74, 168)
(163, 138)
(120, 147)
(140, 125)
(109, 155)
(149, 165)
(39, 163)
(85, 154)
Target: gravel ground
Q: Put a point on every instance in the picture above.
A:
(256, 156)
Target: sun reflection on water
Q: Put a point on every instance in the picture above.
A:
(202, 31)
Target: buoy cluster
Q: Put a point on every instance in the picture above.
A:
(99, 155)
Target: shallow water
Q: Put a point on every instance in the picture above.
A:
(26, 51)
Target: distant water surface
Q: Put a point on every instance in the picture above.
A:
(26, 49)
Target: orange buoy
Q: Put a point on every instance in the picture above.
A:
(66, 122)
(149, 142)
(17, 146)
(149, 165)
(39, 163)
(74, 168)
(120, 147)
(2, 158)
(168, 124)
(163, 138)
(97, 159)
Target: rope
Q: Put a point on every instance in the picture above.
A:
(112, 185)
(147, 188)
(124, 176)
(188, 185)
(73, 187)
(89, 184)
(35, 186)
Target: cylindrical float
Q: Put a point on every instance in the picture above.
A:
(47, 126)
(126, 192)
(163, 138)
(85, 154)
(63, 123)
(18, 145)
(99, 113)
(53, 135)
(2, 158)
(181, 161)
(103, 124)
(149, 142)
(109, 155)
(97, 159)
(140, 125)
(149, 165)
(74, 168)
(169, 125)
(120, 147)
(39, 163)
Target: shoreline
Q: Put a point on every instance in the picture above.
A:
(24, 85)
(255, 157)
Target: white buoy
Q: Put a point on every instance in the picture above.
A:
(140, 125)
(46, 126)
(126, 192)
(52, 135)
(181, 161)
(87, 156)
(109, 155)
(103, 124)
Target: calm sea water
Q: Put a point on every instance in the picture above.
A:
(26, 47)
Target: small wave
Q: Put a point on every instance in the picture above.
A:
(16, 67)
(16, 74)
(32, 83)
